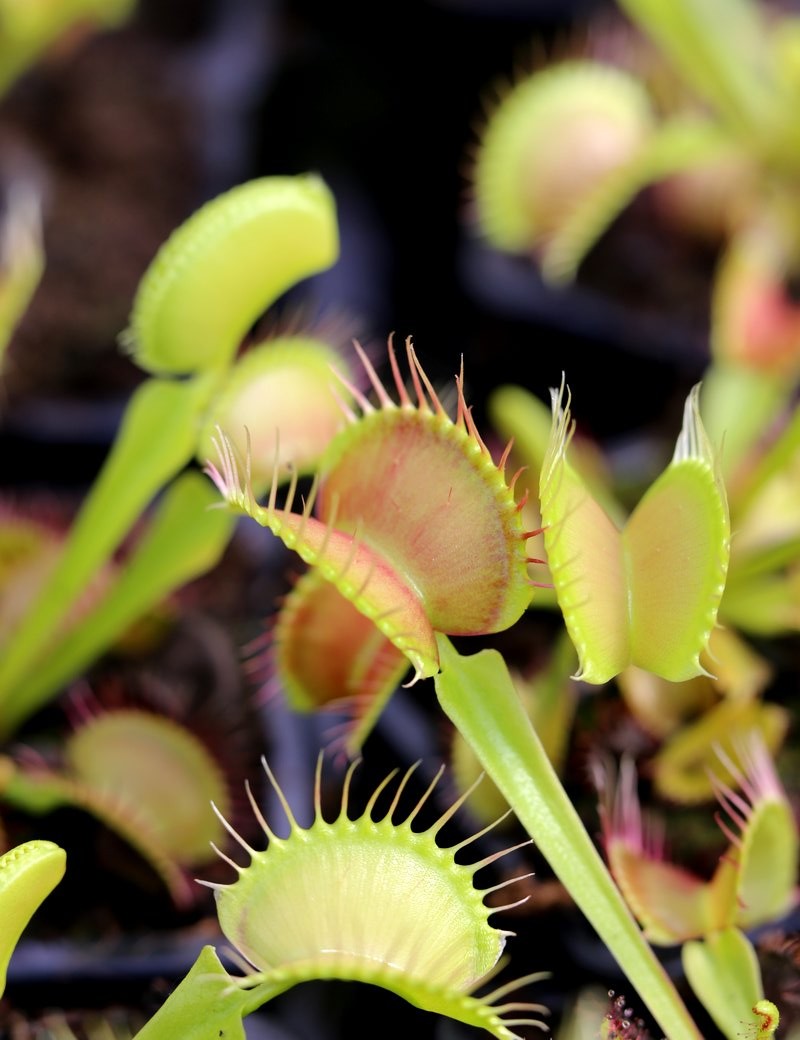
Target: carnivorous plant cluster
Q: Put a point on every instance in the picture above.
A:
(415, 538)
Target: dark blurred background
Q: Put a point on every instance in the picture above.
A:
(127, 132)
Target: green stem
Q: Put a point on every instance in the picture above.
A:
(184, 539)
(479, 697)
(157, 439)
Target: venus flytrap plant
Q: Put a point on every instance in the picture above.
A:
(391, 907)
(594, 117)
(327, 655)
(206, 286)
(359, 541)
(680, 767)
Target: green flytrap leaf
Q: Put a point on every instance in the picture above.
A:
(222, 268)
(155, 441)
(549, 698)
(28, 874)
(647, 595)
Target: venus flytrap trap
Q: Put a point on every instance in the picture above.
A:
(647, 595)
(326, 655)
(391, 907)
(594, 117)
(101, 772)
(725, 697)
(404, 496)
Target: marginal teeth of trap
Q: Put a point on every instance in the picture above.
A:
(368, 899)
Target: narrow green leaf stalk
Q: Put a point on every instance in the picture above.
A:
(478, 696)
